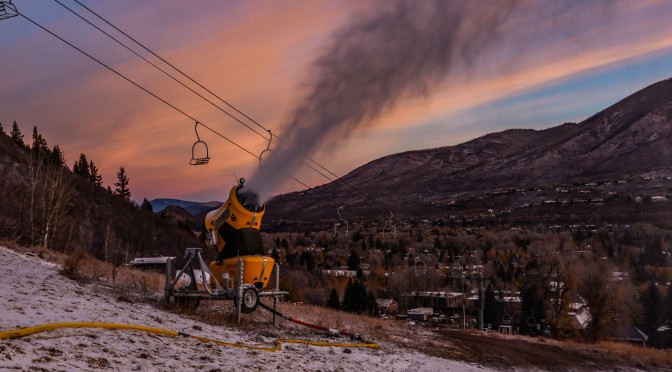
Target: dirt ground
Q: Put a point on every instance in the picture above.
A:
(490, 350)
(522, 353)
(513, 353)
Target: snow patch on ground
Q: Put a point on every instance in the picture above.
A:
(34, 293)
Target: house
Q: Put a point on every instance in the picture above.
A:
(580, 315)
(151, 263)
(387, 306)
(628, 333)
(420, 313)
(437, 300)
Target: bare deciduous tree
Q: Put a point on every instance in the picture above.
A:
(596, 288)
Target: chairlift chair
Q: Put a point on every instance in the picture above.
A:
(7, 10)
(420, 267)
(340, 222)
(389, 228)
(199, 160)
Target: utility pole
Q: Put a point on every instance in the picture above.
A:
(481, 299)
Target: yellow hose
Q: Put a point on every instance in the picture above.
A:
(277, 344)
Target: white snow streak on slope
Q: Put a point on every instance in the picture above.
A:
(32, 293)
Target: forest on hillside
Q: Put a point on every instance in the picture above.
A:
(44, 202)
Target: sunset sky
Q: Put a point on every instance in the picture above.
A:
(543, 63)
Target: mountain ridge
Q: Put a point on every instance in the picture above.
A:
(629, 138)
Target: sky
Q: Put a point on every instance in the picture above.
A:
(507, 64)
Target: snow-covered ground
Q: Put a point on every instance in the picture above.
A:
(32, 292)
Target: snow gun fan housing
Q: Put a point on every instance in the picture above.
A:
(233, 228)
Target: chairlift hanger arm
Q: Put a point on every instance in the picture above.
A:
(268, 147)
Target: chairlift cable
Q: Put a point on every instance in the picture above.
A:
(337, 178)
(189, 88)
(201, 86)
(168, 63)
(178, 109)
(158, 68)
(159, 98)
(134, 83)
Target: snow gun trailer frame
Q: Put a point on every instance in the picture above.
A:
(188, 296)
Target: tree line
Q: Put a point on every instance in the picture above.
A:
(47, 203)
(621, 273)
(82, 167)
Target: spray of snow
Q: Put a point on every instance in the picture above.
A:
(400, 50)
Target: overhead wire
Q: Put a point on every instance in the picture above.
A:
(155, 66)
(193, 81)
(338, 180)
(134, 83)
(161, 99)
(197, 83)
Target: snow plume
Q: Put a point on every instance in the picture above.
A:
(402, 50)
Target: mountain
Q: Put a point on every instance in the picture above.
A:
(612, 152)
(195, 208)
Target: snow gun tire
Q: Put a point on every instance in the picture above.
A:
(250, 300)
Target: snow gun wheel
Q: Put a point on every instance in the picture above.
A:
(250, 300)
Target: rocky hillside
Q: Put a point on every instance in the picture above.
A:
(629, 141)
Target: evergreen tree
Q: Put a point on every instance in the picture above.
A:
(532, 293)
(651, 303)
(81, 167)
(490, 312)
(146, 205)
(2, 130)
(121, 186)
(353, 261)
(334, 302)
(372, 305)
(16, 135)
(308, 259)
(56, 157)
(356, 298)
(94, 177)
(39, 144)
